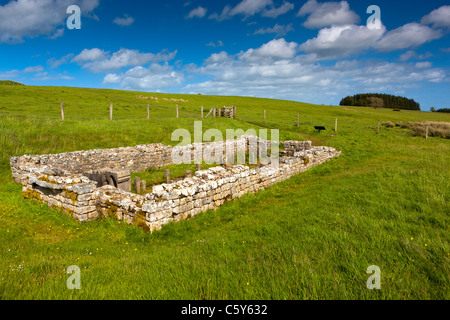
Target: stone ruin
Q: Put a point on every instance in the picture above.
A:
(97, 183)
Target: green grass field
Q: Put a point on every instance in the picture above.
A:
(384, 202)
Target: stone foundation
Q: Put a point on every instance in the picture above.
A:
(90, 184)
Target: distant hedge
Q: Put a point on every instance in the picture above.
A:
(445, 110)
(390, 101)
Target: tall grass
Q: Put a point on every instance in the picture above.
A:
(434, 129)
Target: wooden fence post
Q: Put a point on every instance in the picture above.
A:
(167, 173)
(148, 112)
(202, 112)
(426, 133)
(234, 112)
(110, 111)
(214, 112)
(176, 107)
(137, 185)
(62, 111)
(143, 186)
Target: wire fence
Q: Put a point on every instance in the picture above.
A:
(124, 110)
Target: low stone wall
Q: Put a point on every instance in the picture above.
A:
(136, 158)
(46, 179)
(75, 196)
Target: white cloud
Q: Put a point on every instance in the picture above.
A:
(410, 35)
(410, 54)
(55, 63)
(223, 16)
(275, 12)
(327, 14)
(274, 70)
(57, 34)
(97, 60)
(249, 8)
(217, 44)
(34, 69)
(424, 64)
(342, 41)
(36, 73)
(277, 49)
(90, 55)
(345, 40)
(45, 77)
(438, 18)
(218, 58)
(8, 75)
(125, 21)
(279, 30)
(111, 78)
(30, 18)
(153, 78)
(199, 12)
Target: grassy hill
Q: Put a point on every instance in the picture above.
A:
(10, 83)
(384, 202)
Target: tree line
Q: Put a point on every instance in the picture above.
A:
(374, 100)
(444, 110)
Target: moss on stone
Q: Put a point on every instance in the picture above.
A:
(71, 195)
(111, 209)
(46, 178)
(140, 222)
(31, 194)
(306, 161)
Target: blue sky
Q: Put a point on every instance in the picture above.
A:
(313, 51)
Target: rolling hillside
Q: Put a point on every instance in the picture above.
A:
(384, 202)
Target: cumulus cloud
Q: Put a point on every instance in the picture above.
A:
(341, 41)
(22, 19)
(199, 12)
(275, 70)
(276, 49)
(218, 58)
(125, 21)
(94, 54)
(410, 35)
(97, 60)
(154, 78)
(438, 18)
(326, 14)
(278, 30)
